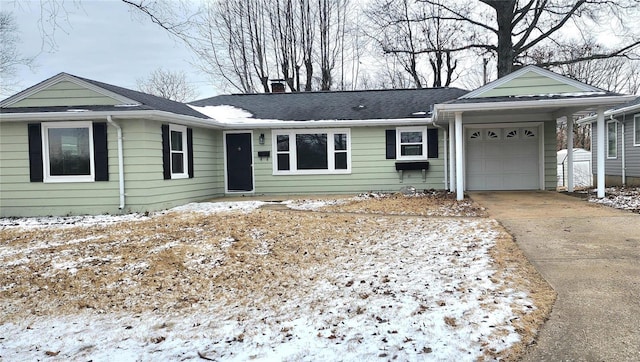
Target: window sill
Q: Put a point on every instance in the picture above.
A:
(179, 176)
(414, 158)
(312, 172)
(54, 180)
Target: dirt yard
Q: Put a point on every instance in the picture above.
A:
(360, 278)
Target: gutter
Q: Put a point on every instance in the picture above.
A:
(631, 109)
(120, 162)
(80, 114)
(208, 123)
(542, 103)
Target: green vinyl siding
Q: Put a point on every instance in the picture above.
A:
(145, 187)
(530, 83)
(65, 94)
(370, 170)
(550, 156)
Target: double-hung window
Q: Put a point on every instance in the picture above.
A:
(636, 130)
(179, 159)
(312, 151)
(612, 139)
(68, 152)
(411, 143)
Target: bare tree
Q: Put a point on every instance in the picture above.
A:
(417, 36)
(10, 57)
(518, 27)
(168, 84)
(331, 28)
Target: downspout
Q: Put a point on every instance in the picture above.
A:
(120, 162)
(446, 173)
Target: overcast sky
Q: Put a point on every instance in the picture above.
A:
(104, 41)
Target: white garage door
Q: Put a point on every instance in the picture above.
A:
(502, 158)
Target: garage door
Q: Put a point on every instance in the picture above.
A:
(502, 158)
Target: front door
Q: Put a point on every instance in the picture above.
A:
(239, 158)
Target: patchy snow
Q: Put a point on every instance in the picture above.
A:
(102, 220)
(625, 198)
(216, 207)
(312, 204)
(426, 203)
(223, 113)
(568, 94)
(67, 221)
(403, 289)
(414, 290)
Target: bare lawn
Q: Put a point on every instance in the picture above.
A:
(371, 277)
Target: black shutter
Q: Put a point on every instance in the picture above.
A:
(166, 152)
(100, 151)
(432, 143)
(190, 151)
(391, 144)
(35, 152)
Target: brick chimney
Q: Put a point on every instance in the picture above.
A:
(278, 86)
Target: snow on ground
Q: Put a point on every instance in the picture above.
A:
(102, 220)
(285, 286)
(427, 203)
(626, 198)
(312, 204)
(216, 207)
(67, 221)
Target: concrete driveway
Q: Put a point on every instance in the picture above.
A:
(590, 254)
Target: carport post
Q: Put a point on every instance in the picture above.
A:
(570, 153)
(601, 151)
(452, 157)
(459, 158)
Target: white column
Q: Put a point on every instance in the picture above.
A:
(459, 158)
(601, 151)
(452, 157)
(570, 153)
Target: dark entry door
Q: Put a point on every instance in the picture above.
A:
(239, 162)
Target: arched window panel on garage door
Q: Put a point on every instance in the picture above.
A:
(529, 133)
(492, 134)
(474, 135)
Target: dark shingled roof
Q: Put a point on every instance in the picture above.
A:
(339, 105)
(148, 102)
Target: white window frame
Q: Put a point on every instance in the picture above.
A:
(185, 152)
(399, 155)
(609, 155)
(46, 126)
(293, 157)
(636, 130)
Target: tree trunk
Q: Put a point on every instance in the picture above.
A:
(505, 12)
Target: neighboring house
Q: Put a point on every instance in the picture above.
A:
(622, 143)
(582, 171)
(71, 145)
